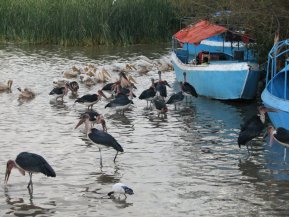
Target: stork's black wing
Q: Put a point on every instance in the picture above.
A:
(177, 97)
(87, 98)
(34, 163)
(189, 89)
(103, 138)
(57, 91)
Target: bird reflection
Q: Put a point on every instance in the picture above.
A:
(250, 170)
(120, 202)
(120, 120)
(21, 101)
(58, 105)
(19, 206)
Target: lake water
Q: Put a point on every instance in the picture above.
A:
(162, 159)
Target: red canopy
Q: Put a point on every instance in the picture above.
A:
(198, 32)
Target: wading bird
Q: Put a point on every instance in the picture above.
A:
(161, 86)
(96, 118)
(73, 87)
(121, 101)
(176, 98)
(6, 87)
(26, 93)
(160, 105)
(31, 163)
(187, 88)
(120, 188)
(149, 93)
(99, 137)
(280, 134)
(59, 92)
(90, 99)
(254, 126)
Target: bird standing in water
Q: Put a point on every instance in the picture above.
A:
(160, 106)
(120, 188)
(254, 126)
(280, 134)
(176, 98)
(149, 93)
(59, 92)
(187, 88)
(90, 99)
(73, 87)
(161, 86)
(6, 87)
(99, 137)
(31, 163)
(96, 118)
(26, 93)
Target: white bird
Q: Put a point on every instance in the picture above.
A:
(72, 73)
(129, 68)
(4, 87)
(58, 82)
(26, 93)
(102, 76)
(120, 188)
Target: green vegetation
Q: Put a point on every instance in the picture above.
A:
(97, 22)
(85, 22)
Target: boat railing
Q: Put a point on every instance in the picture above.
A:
(278, 62)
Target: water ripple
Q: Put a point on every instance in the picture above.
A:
(163, 159)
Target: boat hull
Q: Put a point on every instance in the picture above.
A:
(220, 80)
(281, 117)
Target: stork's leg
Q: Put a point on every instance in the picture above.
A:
(100, 157)
(30, 181)
(285, 152)
(175, 106)
(147, 103)
(115, 156)
(247, 148)
(125, 196)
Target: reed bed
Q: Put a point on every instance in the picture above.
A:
(86, 22)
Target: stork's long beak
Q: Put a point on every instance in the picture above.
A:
(271, 110)
(79, 123)
(7, 174)
(132, 84)
(103, 125)
(168, 84)
(102, 94)
(131, 79)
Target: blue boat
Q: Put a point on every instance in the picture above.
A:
(217, 61)
(276, 92)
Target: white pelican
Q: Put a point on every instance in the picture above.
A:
(103, 76)
(5, 87)
(71, 74)
(26, 93)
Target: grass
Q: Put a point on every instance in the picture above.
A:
(86, 22)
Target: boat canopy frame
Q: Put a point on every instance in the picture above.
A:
(278, 53)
